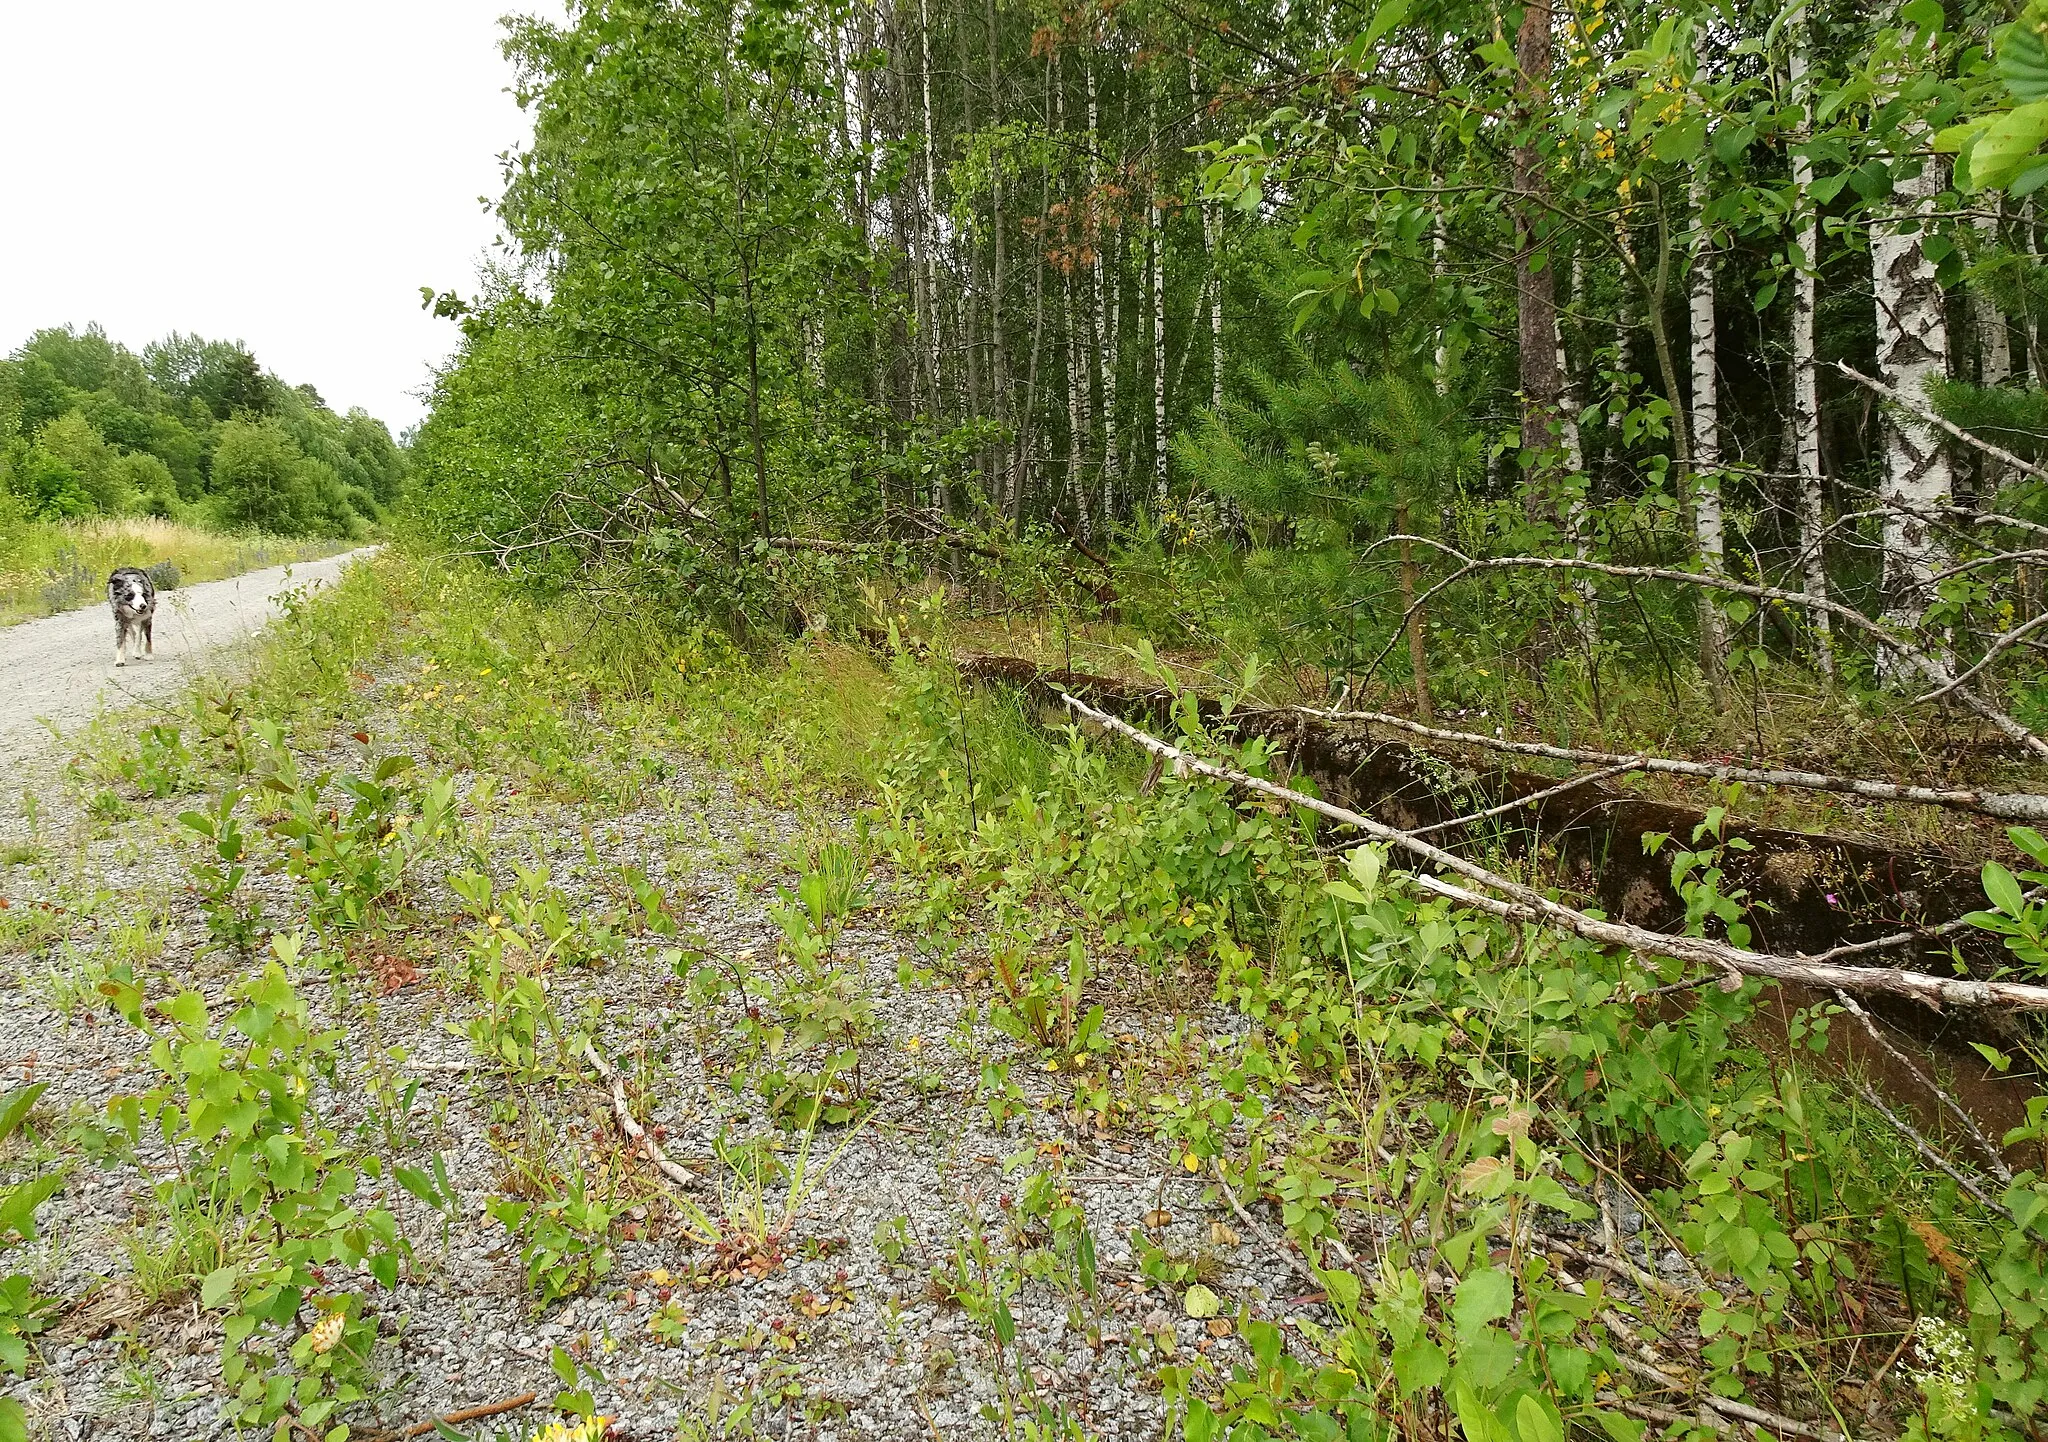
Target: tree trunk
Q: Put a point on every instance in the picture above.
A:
(1806, 383)
(1578, 516)
(1912, 350)
(1418, 656)
(1994, 351)
(1705, 476)
(1105, 323)
(1156, 225)
(930, 231)
(1535, 282)
(1212, 255)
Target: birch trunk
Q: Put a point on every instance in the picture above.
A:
(1705, 477)
(1156, 226)
(928, 234)
(1077, 422)
(1578, 517)
(1994, 351)
(1912, 350)
(1806, 382)
(1105, 337)
(1535, 282)
(1212, 256)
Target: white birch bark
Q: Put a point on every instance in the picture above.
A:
(1912, 350)
(1157, 228)
(1705, 481)
(1805, 380)
(1105, 337)
(1578, 514)
(929, 234)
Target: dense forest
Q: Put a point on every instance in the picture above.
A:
(1250, 291)
(191, 430)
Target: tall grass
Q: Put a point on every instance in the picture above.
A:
(52, 566)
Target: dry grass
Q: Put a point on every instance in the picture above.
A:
(52, 566)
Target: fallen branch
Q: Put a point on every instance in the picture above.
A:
(1927, 666)
(469, 1414)
(681, 1176)
(1524, 903)
(1975, 442)
(1955, 1108)
(1307, 1272)
(1729, 1407)
(1573, 784)
(1929, 1152)
(2006, 806)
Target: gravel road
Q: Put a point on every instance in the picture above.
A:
(59, 671)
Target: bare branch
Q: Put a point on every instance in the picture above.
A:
(2000, 452)
(2007, 806)
(1521, 903)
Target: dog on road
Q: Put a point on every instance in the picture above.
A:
(133, 596)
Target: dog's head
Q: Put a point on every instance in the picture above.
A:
(130, 594)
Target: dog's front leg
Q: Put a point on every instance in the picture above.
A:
(149, 636)
(120, 642)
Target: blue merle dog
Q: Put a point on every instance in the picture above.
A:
(133, 597)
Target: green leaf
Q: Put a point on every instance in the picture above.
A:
(1535, 1422)
(1682, 142)
(1200, 1303)
(1485, 1296)
(2004, 147)
(13, 1421)
(218, 1285)
(18, 1204)
(1924, 15)
(2023, 56)
(2003, 889)
(14, 1107)
(1997, 1059)
(1418, 1366)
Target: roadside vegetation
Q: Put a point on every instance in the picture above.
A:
(188, 456)
(806, 1016)
(52, 566)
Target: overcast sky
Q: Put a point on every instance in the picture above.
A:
(285, 173)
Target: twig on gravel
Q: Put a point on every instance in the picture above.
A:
(1620, 1266)
(456, 1419)
(1259, 1231)
(681, 1176)
(1739, 1411)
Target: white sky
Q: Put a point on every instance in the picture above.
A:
(286, 173)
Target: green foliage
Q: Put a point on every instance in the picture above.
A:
(192, 430)
(562, 1239)
(23, 1313)
(351, 863)
(237, 1103)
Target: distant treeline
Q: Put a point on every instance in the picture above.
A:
(193, 430)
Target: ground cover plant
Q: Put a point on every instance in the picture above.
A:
(980, 1078)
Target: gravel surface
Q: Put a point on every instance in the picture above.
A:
(839, 1330)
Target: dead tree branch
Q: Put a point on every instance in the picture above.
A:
(1521, 903)
(1975, 442)
(2007, 806)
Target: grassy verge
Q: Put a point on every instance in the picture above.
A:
(52, 566)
